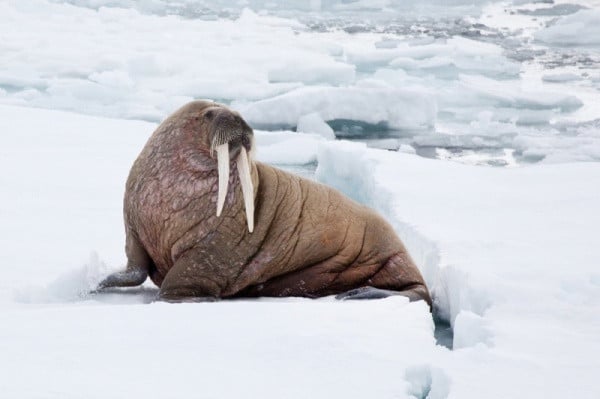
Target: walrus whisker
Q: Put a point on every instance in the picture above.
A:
(243, 167)
(223, 173)
(220, 137)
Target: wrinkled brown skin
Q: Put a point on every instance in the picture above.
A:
(309, 240)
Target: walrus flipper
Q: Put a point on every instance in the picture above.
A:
(192, 279)
(369, 292)
(398, 276)
(366, 293)
(138, 266)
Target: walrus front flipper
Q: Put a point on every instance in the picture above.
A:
(192, 279)
(138, 265)
(130, 277)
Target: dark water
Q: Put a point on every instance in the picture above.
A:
(444, 335)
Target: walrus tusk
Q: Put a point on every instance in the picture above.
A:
(223, 168)
(243, 167)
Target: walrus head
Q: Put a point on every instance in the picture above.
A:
(229, 137)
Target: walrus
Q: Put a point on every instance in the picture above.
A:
(204, 220)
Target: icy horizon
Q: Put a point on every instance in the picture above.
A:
(518, 79)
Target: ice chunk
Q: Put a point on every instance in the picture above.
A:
(448, 58)
(387, 42)
(555, 10)
(427, 382)
(397, 108)
(579, 29)
(313, 123)
(560, 77)
(564, 143)
(470, 329)
(309, 70)
(511, 95)
(286, 148)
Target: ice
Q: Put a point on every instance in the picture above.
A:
(227, 349)
(287, 148)
(428, 382)
(561, 77)
(470, 329)
(448, 58)
(503, 95)
(555, 10)
(299, 70)
(558, 147)
(128, 71)
(579, 29)
(508, 253)
(62, 185)
(313, 123)
(376, 9)
(396, 108)
(371, 70)
(62, 198)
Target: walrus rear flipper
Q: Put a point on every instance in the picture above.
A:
(416, 293)
(138, 266)
(399, 276)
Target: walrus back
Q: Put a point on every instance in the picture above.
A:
(336, 243)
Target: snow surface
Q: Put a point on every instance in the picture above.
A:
(511, 256)
(510, 253)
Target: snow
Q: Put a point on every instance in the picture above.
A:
(511, 256)
(481, 237)
(229, 349)
(510, 251)
(64, 200)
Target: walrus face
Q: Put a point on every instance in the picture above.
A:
(227, 127)
(229, 134)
